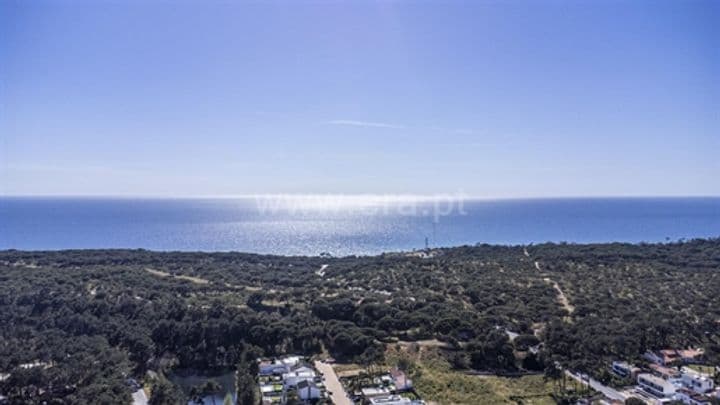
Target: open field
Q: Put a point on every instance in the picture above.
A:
(436, 381)
(196, 280)
(703, 369)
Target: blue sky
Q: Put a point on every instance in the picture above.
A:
(491, 99)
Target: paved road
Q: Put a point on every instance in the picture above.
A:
(609, 392)
(139, 397)
(339, 397)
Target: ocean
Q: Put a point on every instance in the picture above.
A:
(341, 226)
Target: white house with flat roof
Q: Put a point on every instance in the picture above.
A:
(692, 398)
(298, 374)
(624, 369)
(656, 386)
(696, 381)
(390, 400)
(369, 392)
(308, 390)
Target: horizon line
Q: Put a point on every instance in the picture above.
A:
(376, 196)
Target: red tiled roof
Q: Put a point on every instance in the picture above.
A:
(665, 371)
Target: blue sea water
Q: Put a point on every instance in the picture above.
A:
(344, 226)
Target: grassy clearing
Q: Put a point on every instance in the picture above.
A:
(452, 387)
(703, 369)
(435, 381)
(196, 280)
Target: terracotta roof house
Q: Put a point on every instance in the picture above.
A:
(664, 372)
(671, 357)
(402, 382)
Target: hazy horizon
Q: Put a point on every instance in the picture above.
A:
(385, 197)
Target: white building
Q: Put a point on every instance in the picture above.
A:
(287, 374)
(390, 400)
(291, 361)
(656, 386)
(695, 381)
(623, 369)
(370, 392)
(692, 398)
(297, 375)
(308, 390)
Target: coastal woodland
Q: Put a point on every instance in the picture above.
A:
(77, 325)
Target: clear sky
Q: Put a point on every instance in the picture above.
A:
(492, 99)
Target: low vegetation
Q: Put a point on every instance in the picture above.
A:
(436, 380)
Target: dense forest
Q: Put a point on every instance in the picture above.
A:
(88, 320)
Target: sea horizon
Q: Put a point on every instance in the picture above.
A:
(408, 196)
(341, 225)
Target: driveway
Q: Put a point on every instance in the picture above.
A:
(139, 397)
(338, 396)
(609, 392)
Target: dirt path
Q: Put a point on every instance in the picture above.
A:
(424, 343)
(196, 280)
(321, 272)
(338, 396)
(562, 298)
